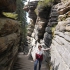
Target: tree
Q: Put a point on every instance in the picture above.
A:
(22, 18)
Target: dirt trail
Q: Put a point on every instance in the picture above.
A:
(23, 63)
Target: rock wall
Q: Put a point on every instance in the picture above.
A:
(9, 35)
(7, 6)
(52, 29)
(9, 42)
(60, 53)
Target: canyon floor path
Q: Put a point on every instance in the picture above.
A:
(23, 63)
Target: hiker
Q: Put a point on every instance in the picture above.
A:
(39, 57)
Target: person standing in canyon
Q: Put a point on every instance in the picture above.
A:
(39, 57)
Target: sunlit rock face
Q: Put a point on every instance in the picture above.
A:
(60, 51)
(9, 42)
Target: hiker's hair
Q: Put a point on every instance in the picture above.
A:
(39, 46)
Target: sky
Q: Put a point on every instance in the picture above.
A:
(28, 19)
(31, 0)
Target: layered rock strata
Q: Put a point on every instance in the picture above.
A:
(9, 42)
(9, 35)
(60, 53)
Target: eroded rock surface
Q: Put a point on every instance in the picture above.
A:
(53, 30)
(7, 5)
(60, 43)
(9, 42)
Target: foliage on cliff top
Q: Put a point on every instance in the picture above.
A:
(44, 4)
(22, 18)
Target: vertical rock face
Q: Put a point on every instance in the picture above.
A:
(41, 22)
(51, 23)
(53, 30)
(9, 35)
(60, 53)
(7, 5)
(9, 42)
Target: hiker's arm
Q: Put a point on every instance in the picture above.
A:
(46, 49)
(35, 57)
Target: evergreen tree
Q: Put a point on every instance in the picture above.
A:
(22, 18)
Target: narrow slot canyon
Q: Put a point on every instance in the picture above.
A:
(48, 26)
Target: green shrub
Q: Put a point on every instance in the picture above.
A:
(43, 4)
(53, 29)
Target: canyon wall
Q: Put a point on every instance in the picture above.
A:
(7, 6)
(9, 42)
(9, 35)
(60, 51)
